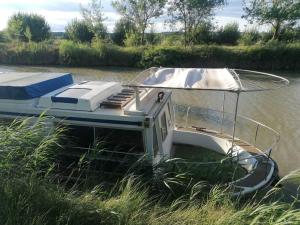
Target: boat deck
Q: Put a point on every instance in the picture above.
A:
(264, 172)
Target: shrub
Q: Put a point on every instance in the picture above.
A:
(99, 53)
(77, 54)
(254, 57)
(250, 37)
(290, 35)
(42, 53)
(203, 34)
(79, 31)
(172, 40)
(229, 34)
(132, 39)
(28, 27)
(122, 27)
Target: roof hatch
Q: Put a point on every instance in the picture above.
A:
(85, 96)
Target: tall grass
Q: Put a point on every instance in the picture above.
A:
(270, 56)
(29, 196)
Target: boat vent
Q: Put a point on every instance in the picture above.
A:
(118, 101)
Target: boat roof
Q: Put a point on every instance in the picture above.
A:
(56, 94)
(24, 86)
(232, 80)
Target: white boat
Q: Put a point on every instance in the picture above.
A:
(143, 115)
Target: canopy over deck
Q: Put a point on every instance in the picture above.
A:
(232, 80)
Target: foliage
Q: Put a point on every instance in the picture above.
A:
(43, 53)
(3, 36)
(279, 14)
(122, 28)
(229, 34)
(94, 17)
(29, 147)
(99, 54)
(191, 14)
(140, 12)
(203, 34)
(253, 57)
(250, 37)
(172, 40)
(276, 56)
(132, 39)
(28, 27)
(79, 31)
(30, 195)
(290, 35)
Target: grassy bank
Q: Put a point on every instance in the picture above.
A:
(276, 56)
(30, 193)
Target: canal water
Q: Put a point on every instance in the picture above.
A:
(279, 109)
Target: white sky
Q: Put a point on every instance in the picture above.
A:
(59, 12)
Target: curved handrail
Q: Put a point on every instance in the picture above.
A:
(274, 134)
(285, 82)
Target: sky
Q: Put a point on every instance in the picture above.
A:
(59, 12)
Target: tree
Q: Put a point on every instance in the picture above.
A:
(79, 31)
(191, 13)
(140, 12)
(28, 27)
(94, 17)
(277, 13)
(122, 27)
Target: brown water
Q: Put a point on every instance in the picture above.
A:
(279, 109)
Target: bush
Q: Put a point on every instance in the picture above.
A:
(290, 35)
(122, 27)
(203, 34)
(77, 54)
(79, 31)
(28, 27)
(172, 40)
(98, 54)
(42, 53)
(3, 36)
(273, 55)
(250, 37)
(254, 57)
(132, 39)
(229, 34)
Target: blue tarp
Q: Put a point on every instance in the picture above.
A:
(24, 86)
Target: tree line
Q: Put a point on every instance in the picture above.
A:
(193, 20)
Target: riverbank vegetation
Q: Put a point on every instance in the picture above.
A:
(272, 56)
(31, 192)
(194, 40)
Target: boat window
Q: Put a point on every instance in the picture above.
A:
(163, 124)
(79, 136)
(120, 140)
(155, 142)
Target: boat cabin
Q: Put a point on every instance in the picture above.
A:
(92, 109)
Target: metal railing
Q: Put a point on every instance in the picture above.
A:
(248, 130)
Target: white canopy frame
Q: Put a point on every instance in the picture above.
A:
(236, 75)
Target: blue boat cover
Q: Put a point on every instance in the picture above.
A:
(24, 86)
